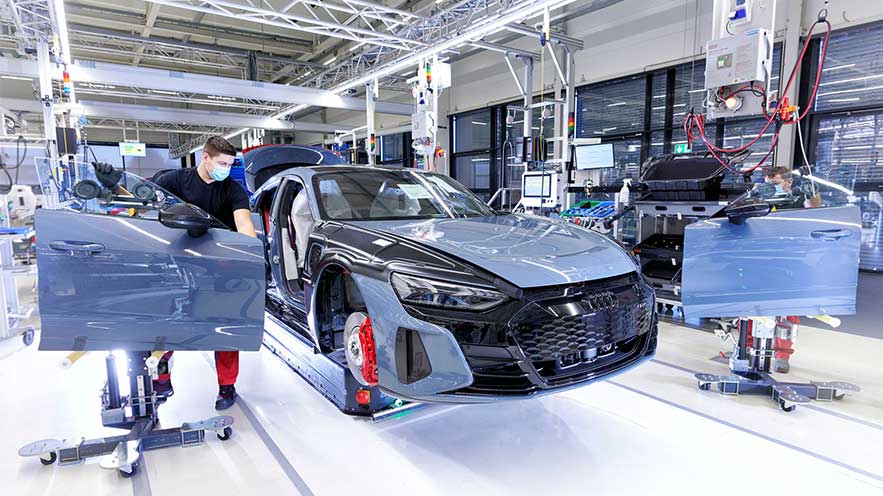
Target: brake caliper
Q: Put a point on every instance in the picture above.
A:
(369, 353)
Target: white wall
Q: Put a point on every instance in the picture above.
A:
(628, 38)
(156, 160)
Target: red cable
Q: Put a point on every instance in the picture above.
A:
(815, 88)
(699, 120)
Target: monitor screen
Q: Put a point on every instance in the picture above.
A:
(537, 186)
(132, 149)
(594, 156)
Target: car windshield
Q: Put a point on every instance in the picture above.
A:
(376, 194)
(75, 186)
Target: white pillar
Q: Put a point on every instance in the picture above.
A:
(371, 133)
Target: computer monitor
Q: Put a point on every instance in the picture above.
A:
(594, 156)
(539, 189)
(537, 186)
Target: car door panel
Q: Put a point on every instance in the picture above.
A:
(116, 282)
(789, 262)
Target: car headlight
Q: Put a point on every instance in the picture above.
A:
(441, 294)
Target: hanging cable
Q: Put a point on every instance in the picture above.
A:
(783, 113)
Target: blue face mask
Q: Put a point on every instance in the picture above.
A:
(220, 173)
(780, 190)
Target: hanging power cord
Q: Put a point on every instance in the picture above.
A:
(784, 113)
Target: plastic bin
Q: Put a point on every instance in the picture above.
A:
(683, 177)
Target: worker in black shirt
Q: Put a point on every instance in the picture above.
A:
(210, 188)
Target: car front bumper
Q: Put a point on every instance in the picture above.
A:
(551, 340)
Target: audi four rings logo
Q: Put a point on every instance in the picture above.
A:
(602, 300)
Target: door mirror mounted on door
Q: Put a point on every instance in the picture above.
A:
(186, 216)
(738, 212)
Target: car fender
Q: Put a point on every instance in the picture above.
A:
(450, 370)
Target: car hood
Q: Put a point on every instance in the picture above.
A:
(526, 250)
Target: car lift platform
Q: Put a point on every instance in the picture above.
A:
(329, 375)
(750, 367)
(123, 452)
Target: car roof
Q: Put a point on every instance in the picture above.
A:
(310, 171)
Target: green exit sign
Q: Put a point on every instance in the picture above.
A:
(683, 148)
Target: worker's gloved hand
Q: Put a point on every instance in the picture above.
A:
(107, 175)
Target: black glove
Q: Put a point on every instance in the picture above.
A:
(107, 175)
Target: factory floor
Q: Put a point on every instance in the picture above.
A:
(649, 431)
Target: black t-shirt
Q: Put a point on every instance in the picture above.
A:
(220, 198)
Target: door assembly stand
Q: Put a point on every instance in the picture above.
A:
(750, 366)
(136, 412)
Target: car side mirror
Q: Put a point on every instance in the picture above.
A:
(186, 216)
(737, 213)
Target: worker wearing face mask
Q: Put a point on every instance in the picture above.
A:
(209, 187)
(783, 181)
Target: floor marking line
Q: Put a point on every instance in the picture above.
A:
(842, 416)
(771, 439)
(141, 481)
(277, 453)
(271, 445)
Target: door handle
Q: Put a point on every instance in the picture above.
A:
(830, 234)
(77, 246)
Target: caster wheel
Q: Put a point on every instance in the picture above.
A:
(840, 396)
(225, 434)
(788, 409)
(28, 337)
(126, 475)
(49, 461)
(704, 386)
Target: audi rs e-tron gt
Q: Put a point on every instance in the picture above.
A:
(418, 287)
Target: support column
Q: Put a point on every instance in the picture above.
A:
(794, 28)
(528, 101)
(568, 110)
(371, 135)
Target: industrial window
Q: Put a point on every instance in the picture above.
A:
(626, 158)
(391, 149)
(658, 99)
(740, 133)
(688, 92)
(612, 108)
(848, 152)
(852, 75)
(843, 135)
(474, 172)
(472, 131)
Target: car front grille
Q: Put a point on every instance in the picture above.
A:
(585, 325)
(561, 337)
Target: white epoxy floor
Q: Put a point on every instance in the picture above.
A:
(650, 431)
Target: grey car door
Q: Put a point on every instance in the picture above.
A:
(122, 282)
(800, 261)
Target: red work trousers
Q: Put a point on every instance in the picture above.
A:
(226, 363)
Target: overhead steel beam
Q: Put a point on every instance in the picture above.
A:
(272, 41)
(122, 75)
(573, 43)
(188, 45)
(285, 19)
(152, 13)
(493, 47)
(181, 117)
